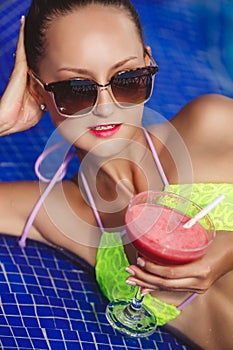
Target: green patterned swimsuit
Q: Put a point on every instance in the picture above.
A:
(112, 261)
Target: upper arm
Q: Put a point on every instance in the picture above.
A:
(209, 120)
(62, 220)
(66, 220)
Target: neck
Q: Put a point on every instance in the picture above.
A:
(115, 179)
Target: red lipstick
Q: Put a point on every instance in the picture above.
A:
(105, 130)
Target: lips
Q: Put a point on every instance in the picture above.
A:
(105, 130)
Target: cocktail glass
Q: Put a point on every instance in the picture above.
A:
(155, 224)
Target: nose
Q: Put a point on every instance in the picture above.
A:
(105, 103)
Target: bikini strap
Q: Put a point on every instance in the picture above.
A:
(59, 175)
(156, 158)
(89, 194)
(91, 201)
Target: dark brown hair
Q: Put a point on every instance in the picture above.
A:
(42, 12)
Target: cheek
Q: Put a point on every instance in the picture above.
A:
(133, 116)
(55, 116)
(71, 129)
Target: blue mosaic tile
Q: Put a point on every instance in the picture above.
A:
(57, 274)
(24, 299)
(20, 332)
(35, 333)
(28, 311)
(8, 299)
(104, 347)
(49, 292)
(74, 314)
(71, 336)
(101, 338)
(34, 262)
(14, 278)
(19, 260)
(33, 289)
(30, 280)
(40, 344)
(4, 287)
(74, 346)
(40, 300)
(7, 260)
(61, 318)
(53, 334)
(59, 312)
(11, 309)
(88, 346)
(41, 272)
(58, 345)
(71, 304)
(3, 320)
(24, 343)
(64, 294)
(86, 337)
(78, 325)
(44, 311)
(118, 341)
(27, 270)
(46, 323)
(18, 288)
(15, 321)
(8, 342)
(5, 331)
(61, 283)
(56, 302)
(31, 322)
(10, 267)
(62, 323)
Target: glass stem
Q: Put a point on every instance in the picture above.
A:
(137, 300)
(133, 310)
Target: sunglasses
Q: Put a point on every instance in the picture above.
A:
(78, 97)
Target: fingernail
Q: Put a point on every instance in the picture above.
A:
(22, 19)
(140, 262)
(131, 283)
(144, 293)
(130, 271)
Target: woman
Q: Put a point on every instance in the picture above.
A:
(94, 80)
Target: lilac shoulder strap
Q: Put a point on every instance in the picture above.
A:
(156, 158)
(59, 175)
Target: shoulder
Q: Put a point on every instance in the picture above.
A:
(209, 105)
(208, 119)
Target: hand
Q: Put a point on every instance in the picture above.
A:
(197, 276)
(18, 109)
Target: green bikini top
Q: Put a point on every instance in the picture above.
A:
(111, 260)
(204, 193)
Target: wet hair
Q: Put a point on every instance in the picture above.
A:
(42, 12)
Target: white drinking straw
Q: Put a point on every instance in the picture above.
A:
(204, 211)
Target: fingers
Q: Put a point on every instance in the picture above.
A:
(176, 271)
(20, 50)
(152, 283)
(156, 284)
(178, 278)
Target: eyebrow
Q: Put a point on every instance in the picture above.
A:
(85, 71)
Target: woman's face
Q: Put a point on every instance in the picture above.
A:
(94, 43)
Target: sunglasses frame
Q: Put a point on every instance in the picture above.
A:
(49, 87)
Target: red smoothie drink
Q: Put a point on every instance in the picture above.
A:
(158, 234)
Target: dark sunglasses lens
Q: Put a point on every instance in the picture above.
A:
(132, 87)
(74, 97)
